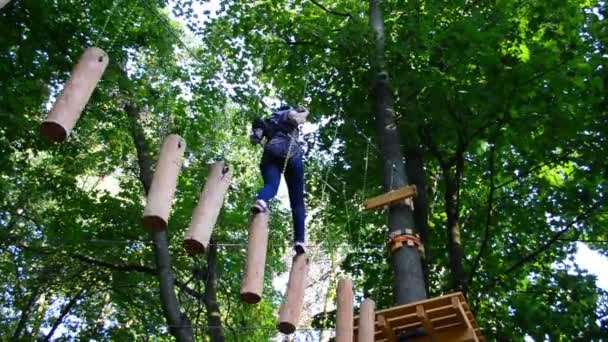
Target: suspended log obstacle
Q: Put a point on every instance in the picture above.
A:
(366, 321)
(391, 197)
(69, 105)
(289, 313)
(252, 285)
(447, 319)
(344, 316)
(3, 3)
(208, 209)
(164, 182)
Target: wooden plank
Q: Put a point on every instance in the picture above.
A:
(426, 323)
(411, 307)
(404, 319)
(469, 326)
(387, 329)
(440, 311)
(442, 322)
(390, 197)
(455, 333)
(408, 311)
(448, 317)
(460, 313)
(463, 316)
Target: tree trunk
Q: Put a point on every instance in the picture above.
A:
(179, 324)
(408, 280)
(414, 165)
(455, 250)
(214, 319)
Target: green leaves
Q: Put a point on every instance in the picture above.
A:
(527, 79)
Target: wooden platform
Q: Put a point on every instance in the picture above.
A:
(447, 318)
(391, 197)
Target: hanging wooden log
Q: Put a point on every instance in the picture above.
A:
(344, 316)
(367, 321)
(164, 182)
(69, 105)
(208, 209)
(289, 313)
(3, 3)
(253, 281)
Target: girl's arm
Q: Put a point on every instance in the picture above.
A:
(257, 131)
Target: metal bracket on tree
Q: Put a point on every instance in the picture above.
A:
(405, 237)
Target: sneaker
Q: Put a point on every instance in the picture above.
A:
(260, 206)
(299, 247)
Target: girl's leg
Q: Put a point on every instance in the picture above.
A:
(294, 175)
(271, 173)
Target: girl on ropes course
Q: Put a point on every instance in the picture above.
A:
(282, 155)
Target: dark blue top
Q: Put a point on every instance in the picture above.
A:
(282, 135)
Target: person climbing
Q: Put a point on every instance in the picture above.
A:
(283, 153)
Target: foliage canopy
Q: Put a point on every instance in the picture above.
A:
(503, 101)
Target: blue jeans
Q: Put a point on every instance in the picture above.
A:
(272, 167)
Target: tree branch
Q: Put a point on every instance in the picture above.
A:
(214, 318)
(490, 201)
(331, 11)
(531, 170)
(117, 267)
(547, 245)
(143, 153)
(25, 314)
(64, 312)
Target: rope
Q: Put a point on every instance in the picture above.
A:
(325, 182)
(245, 328)
(346, 205)
(240, 245)
(103, 29)
(168, 27)
(364, 187)
(127, 20)
(236, 245)
(291, 137)
(288, 154)
(227, 128)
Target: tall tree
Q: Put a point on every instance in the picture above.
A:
(409, 282)
(500, 107)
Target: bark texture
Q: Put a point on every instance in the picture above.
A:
(214, 319)
(414, 165)
(179, 324)
(409, 280)
(452, 205)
